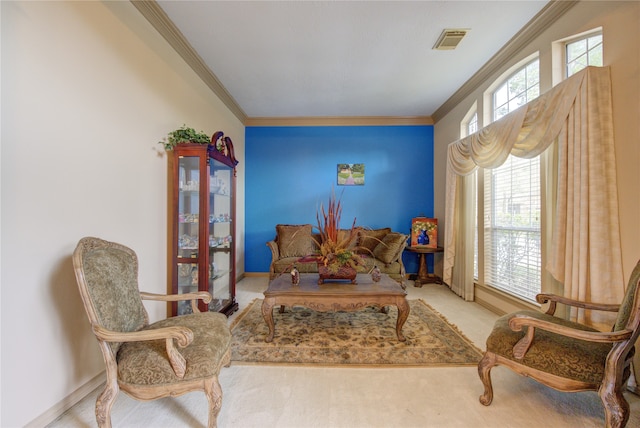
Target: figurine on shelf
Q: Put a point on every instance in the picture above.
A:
(194, 276)
(295, 275)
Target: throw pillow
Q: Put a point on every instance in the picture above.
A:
(390, 247)
(370, 238)
(294, 240)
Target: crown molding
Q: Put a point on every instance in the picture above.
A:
(339, 121)
(547, 16)
(161, 22)
(167, 29)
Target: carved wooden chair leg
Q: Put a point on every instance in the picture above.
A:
(616, 408)
(484, 371)
(213, 391)
(105, 402)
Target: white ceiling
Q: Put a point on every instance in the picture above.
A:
(344, 58)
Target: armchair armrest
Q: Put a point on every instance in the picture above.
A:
(518, 321)
(182, 335)
(554, 299)
(204, 295)
(275, 251)
(275, 255)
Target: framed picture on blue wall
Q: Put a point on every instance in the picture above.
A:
(350, 174)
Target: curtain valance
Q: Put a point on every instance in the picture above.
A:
(525, 132)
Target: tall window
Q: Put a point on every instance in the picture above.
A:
(584, 52)
(512, 258)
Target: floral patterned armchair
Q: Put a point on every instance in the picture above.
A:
(566, 355)
(147, 361)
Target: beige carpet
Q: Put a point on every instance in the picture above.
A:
(362, 338)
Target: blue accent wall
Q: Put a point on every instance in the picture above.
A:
(290, 171)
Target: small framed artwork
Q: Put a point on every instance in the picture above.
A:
(424, 232)
(350, 174)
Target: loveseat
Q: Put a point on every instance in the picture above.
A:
(378, 247)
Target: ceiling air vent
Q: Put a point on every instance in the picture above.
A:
(449, 39)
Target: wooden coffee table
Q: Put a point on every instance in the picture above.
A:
(334, 296)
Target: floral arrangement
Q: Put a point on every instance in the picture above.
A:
(336, 247)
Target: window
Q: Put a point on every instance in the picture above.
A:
(511, 217)
(583, 52)
(522, 87)
(472, 125)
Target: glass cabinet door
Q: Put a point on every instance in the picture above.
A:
(221, 247)
(188, 228)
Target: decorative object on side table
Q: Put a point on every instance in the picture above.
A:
(424, 232)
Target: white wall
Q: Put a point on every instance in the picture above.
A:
(88, 89)
(621, 34)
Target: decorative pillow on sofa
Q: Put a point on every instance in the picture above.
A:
(294, 240)
(390, 246)
(370, 238)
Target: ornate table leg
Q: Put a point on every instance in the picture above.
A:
(423, 273)
(267, 313)
(403, 314)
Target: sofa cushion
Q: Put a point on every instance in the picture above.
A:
(294, 240)
(369, 239)
(388, 249)
(284, 265)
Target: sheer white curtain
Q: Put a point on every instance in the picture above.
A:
(585, 253)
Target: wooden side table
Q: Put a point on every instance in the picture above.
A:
(424, 276)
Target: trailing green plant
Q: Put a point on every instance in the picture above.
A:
(184, 135)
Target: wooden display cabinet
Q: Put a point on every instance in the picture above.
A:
(202, 215)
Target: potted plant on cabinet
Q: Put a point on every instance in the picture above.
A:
(184, 135)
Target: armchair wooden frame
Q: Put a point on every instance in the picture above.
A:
(176, 337)
(616, 366)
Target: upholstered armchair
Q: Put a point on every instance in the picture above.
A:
(566, 355)
(147, 361)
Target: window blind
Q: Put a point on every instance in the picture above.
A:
(512, 227)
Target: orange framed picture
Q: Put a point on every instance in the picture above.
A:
(424, 232)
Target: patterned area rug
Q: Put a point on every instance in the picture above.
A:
(365, 338)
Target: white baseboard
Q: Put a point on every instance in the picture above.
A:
(68, 402)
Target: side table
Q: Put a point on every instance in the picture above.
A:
(424, 276)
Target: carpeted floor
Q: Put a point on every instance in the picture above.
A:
(365, 338)
(348, 396)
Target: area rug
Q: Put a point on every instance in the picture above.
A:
(362, 338)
